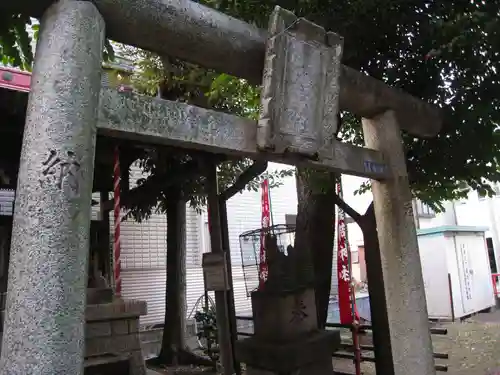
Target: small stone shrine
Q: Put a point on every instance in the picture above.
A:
(286, 335)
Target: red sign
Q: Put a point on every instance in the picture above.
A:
(14, 79)
(347, 304)
(18, 80)
(265, 223)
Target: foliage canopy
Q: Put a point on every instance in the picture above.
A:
(444, 52)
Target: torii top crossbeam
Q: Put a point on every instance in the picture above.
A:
(196, 33)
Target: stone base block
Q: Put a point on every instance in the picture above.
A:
(118, 309)
(324, 367)
(107, 365)
(285, 315)
(112, 329)
(316, 347)
(112, 344)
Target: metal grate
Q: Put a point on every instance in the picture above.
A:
(287, 268)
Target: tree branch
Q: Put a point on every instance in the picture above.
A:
(347, 209)
(154, 182)
(257, 168)
(368, 218)
(369, 210)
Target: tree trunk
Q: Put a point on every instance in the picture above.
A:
(173, 346)
(175, 299)
(315, 230)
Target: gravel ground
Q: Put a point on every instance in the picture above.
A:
(473, 347)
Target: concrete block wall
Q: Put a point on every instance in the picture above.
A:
(113, 329)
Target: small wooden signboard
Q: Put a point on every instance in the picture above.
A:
(215, 272)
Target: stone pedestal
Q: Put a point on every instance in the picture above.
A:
(286, 338)
(112, 334)
(282, 316)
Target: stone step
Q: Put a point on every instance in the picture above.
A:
(107, 365)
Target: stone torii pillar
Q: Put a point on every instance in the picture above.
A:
(44, 325)
(409, 342)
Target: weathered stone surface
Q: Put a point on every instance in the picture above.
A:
(323, 367)
(97, 329)
(409, 335)
(119, 365)
(112, 344)
(137, 365)
(299, 100)
(119, 327)
(99, 295)
(283, 316)
(193, 32)
(109, 358)
(313, 348)
(118, 309)
(113, 328)
(147, 119)
(44, 324)
(170, 22)
(133, 325)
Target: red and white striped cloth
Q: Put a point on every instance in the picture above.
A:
(117, 214)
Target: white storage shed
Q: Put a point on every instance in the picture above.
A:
(456, 271)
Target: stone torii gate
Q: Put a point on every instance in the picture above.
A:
(67, 107)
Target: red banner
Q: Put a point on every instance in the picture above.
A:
(265, 223)
(347, 303)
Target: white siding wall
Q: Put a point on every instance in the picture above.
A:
(359, 202)
(7, 202)
(144, 256)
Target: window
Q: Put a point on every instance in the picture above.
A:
(354, 257)
(423, 210)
